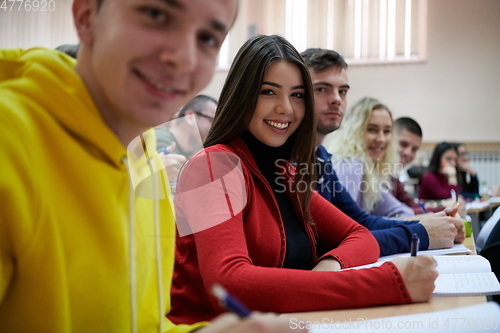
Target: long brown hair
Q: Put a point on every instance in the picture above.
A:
(238, 101)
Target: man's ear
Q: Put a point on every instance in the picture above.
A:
(84, 12)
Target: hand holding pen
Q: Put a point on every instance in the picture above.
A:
(252, 323)
(229, 302)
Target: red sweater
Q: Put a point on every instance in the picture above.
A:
(435, 186)
(245, 253)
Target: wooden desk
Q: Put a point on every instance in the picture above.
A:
(470, 244)
(435, 304)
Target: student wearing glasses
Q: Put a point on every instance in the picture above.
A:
(183, 136)
(185, 132)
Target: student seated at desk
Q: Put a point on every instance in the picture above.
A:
(250, 221)
(364, 146)
(328, 71)
(466, 175)
(440, 180)
(76, 246)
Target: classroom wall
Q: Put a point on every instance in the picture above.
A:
(455, 94)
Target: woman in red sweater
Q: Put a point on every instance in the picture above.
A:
(440, 181)
(249, 220)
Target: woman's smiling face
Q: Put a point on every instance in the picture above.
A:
(280, 106)
(378, 134)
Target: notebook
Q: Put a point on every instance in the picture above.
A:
(465, 276)
(460, 275)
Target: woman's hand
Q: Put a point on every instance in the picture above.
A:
(419, 274)
(449, 171)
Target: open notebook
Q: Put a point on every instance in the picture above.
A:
(465, 276)
(460, 276)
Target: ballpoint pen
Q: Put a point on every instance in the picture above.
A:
(415, 242)
(229, 302)
(422, 205)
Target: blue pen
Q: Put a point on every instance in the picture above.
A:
(421, 204)
(229, 302)
(164, 151)
(415, 242)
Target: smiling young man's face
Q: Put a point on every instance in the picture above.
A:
(143, 59)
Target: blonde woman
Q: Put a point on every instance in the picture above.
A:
(366, 157)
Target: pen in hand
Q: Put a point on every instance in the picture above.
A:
(229, 302)
(415, 242)
(422, 205)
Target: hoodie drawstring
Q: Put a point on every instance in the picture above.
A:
(157, 236)
(131, 253)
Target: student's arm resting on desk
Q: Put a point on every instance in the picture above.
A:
(227, 254)
(397, 239)
(332, 189)
(223, 257)
(393, 236)
(339, 236)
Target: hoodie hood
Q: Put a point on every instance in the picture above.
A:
(43, 74)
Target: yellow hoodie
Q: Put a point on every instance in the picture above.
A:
(67, 263)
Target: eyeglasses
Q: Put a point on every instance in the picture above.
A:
(204, 115)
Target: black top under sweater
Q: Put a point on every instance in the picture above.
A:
(298, 248)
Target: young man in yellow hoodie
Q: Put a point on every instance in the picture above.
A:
(79, 250)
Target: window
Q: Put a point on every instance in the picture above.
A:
(363, 31)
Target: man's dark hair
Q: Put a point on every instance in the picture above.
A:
(69, 49)
(322, 59)
(406, 123)
(197, 104)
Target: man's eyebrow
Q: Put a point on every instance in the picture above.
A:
(174, 3)
(215, 24)
(322, 83)
(219, 26)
